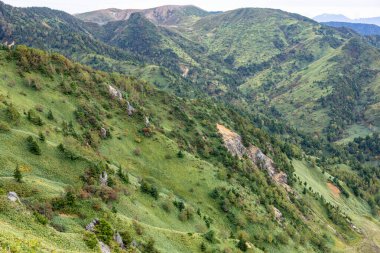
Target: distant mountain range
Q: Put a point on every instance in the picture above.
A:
(342, 18)
(363, 29)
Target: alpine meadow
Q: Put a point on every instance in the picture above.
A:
(176, 129)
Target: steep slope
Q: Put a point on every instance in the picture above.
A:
(169, 15)
(51, 30)
(146, 164)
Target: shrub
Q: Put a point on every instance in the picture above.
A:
(33, 146)
(210, 236)
(90, 240)
(104, 231)
(50, 115)
(123, 176)
(40, 218)
(34, 118)
(149, 189)
(180, 154)
(12, 114)
(17, 175)
(4, 127)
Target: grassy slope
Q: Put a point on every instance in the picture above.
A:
(190, 179)
(355, 208)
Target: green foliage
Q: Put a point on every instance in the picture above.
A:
(104, 231)
(4, 127)
(40, 218)
(33, 146)
(210, 236)
(149, 189)
(34, 118)
(90, 240)
(12, 114)
(123, 176)
(17, 175)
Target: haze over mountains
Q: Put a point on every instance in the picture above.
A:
(173, 129)
(342, 18)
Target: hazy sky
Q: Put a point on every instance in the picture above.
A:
(310, 8)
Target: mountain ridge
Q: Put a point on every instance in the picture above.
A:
(342, 18)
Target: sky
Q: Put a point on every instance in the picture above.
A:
(309, 8)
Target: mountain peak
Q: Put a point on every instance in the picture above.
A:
(161, 15)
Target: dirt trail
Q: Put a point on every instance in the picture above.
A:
(34, 135)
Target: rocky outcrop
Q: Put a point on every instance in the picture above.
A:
(104, 248)
(103, 133)
(278, 215)
(91, 226)
(119, 240)
(115, 93)
(12, 196)
(103, 178)
(130, 109)
(234, 145)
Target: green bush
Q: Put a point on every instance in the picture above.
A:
(104, 231)
(90, 240)
(40, 218)
(34, 118)
(12, 114)
(33, 146)
(4, 127)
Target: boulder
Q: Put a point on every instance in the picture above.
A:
(104, 248)
(12, 196)
(103, 133)
(130, 109)
(103, 178)
(91, 226)
(115, 93)
(119, 240)
(277, 215)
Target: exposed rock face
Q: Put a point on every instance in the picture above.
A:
(130, 109)
(119, 240)
(103, 133)
(277, 215)
(103, 178)
(12, 196)
(147, 122)
(233, 143)
(104, 248)
(115, 93)
(91, 226)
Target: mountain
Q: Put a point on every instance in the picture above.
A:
(342, 18)
(363, 29)
(332, 17)
(246, 130)
(169, 15)
(165, 172)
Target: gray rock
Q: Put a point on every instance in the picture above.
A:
(91, 226)
(103, 133)
(115, 93)
(103, 178)
(147, 122)
(130, 109)
(119, 240)
(12, 196)
(104, 247)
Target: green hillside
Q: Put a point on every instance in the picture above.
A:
(170, 180)
(178, 130)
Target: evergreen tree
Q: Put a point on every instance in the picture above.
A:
(17, 175)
